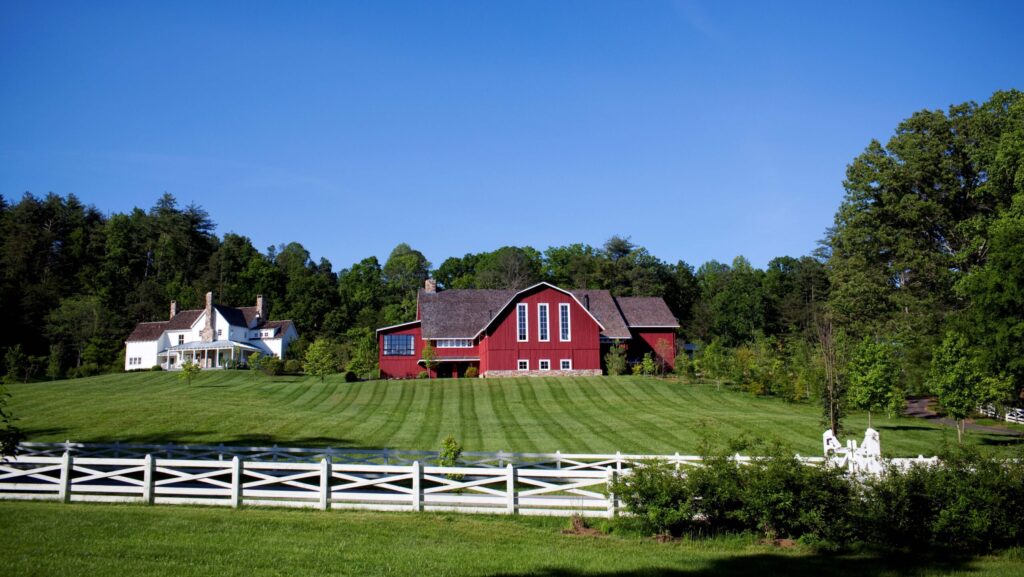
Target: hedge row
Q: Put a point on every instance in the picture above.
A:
(966, 503)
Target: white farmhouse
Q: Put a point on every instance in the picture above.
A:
(214, 337)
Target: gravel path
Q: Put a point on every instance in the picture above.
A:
(921, 407)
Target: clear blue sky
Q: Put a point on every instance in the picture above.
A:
(702, 130)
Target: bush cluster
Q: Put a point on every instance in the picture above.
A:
(472, 373)
(967, 503)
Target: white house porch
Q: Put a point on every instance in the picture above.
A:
(212, 355)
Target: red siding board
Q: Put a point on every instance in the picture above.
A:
(504, 350)
(400, 367)
(646, 341)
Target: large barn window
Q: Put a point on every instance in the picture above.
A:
(522, 323)
(542, 323)
(399, 345)
(565, 329)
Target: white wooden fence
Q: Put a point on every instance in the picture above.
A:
(524, 483)
(321, 485)
(557, 460)
(1011, 415)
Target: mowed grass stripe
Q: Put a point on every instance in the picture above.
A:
(630, 429)
(601, 414)
(571, 401)
(469, 423)
(506, 414)
(658, 414)
(553, 429)
(395, 416)
(382, 407)
(585, 435)
(414, 419)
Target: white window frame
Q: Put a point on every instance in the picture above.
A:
(523, 365)
(563, 314)
(562, 365)
(543, 323)
(541, 367)
(522, 313)
(453, 343)
(181, 339)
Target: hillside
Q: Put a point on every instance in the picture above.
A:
(601, 414)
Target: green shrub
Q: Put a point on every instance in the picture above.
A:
(615, 359)
(967, 503)
(350, 377)
(156, 368)
(472, 373)
(292, 367)
(271, 366)
(648, 366)
(660, 499)
(449, 455)
(423, 375)
(637, 369)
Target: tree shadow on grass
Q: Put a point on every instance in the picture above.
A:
(769, 565)
(184, 437)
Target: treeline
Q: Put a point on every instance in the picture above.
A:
(918, 285)
(73, 283)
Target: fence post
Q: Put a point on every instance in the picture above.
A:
(417, 486)
(512, 504)
(677, 461)
(618, 461)
(558, 459)
(149, 480)
(325, 484)
(236, 482)
(66, 467)
(612, 503)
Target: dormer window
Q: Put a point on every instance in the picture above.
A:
(181, 339)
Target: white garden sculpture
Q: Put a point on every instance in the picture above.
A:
(866, 459)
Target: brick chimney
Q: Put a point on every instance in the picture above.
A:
(174, 308)
(261, 307)
(209, 332)
(430, 285)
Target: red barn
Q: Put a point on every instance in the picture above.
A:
(543, 330)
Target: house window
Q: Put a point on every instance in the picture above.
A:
(524, 365)
(454, 343)
(544, 365)
(564, 328)
(542, 323)
(566, 365)
(181, 339)
(524, 334)
(220, 332)
(399, 345)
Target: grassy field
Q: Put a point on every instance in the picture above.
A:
(96, 540)
(602, 414)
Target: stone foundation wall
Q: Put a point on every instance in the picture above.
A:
(537, 373)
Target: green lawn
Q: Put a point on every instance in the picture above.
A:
(54, 539)
(597, 414)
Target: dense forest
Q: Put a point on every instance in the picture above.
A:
(923, 268)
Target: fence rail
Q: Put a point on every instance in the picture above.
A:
(512, 483)
(557, 460)
(1010, 416)
(322, 485)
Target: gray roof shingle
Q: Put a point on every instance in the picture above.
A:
(459, 313)
(147, 331)
(646, 312)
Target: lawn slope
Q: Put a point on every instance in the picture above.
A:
(595, 414)
(117, 540)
